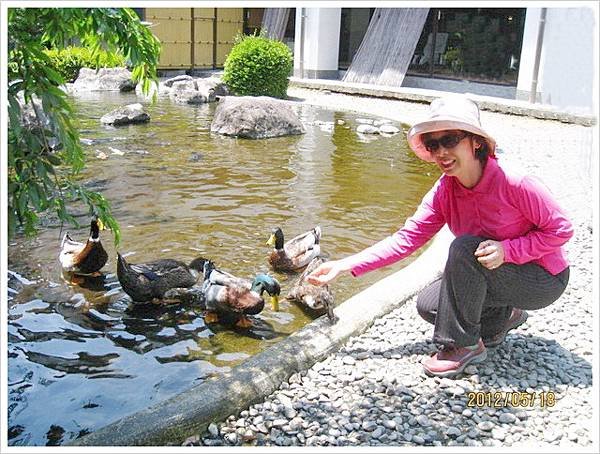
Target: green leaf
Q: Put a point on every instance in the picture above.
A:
(34, 195)
(54, 160)
(38, 63)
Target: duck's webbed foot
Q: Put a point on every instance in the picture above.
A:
(244, 322)
(333, 319)
(76, 280)
(169, 301)
(210, 317)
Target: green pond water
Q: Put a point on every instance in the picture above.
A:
(179, 191)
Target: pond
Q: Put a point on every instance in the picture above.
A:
(178, 191)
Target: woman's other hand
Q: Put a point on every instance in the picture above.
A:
(490, 254)
(327, 272)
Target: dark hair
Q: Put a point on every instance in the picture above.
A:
(482, 153)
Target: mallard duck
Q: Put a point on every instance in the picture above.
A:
(228, 294)
(297, 252)
(84, 258)
(145, 282)
(316, 299)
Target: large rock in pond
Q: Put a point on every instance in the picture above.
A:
(255, 118)
(104, 79)
(185, 89)
(34, 119)
(216, 84)
(132, 113)
(190, 92)
(169, 82)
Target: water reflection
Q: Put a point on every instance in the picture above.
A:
(82, 358)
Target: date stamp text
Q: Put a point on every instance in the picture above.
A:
(510, 399)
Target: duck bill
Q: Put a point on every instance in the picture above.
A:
(271, 241)
(275, 303)
(101, 225)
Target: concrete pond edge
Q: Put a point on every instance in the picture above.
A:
(422, 95)
(190, 412)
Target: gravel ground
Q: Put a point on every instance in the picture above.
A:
(373, 391)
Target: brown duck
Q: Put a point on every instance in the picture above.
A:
(148, 282)
(297, 252)
(84, 258)
(318, 300)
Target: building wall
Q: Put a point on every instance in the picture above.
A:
(567, 65)
(320, 50)
(213, 30)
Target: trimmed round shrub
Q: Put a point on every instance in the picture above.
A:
(68, 61)
(258, 66)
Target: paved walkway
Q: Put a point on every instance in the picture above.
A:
(373, 391)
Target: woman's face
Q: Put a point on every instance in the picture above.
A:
(453, 151)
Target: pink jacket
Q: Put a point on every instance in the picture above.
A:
(517, 210)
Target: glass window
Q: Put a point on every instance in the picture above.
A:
(476, 44)
(353, 26)
(253, 20)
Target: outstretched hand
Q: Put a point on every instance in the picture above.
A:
(490, 254)
(326, 272)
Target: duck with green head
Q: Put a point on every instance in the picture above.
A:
(297, 252)
(225, 293)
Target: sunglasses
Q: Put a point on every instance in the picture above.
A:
(447, 141)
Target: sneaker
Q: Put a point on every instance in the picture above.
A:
(451, 361)
(517, 318)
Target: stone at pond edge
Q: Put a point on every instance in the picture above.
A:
(132, 113)
(105, 79)
(189, 92)
(169, 82)
(388, 129)
(255, 118)
(367, 129)
(34, 119)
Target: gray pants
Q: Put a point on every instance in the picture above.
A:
(469, 301)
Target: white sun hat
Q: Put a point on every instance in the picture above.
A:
(449, 112)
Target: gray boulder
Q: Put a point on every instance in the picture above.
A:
(190, 92)
(104, 79)
(255, 118)
(32, 113)
(34, 119)
(388, 129)
(169, 82)
(367, 129)
(132, 113)
(215, 83)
